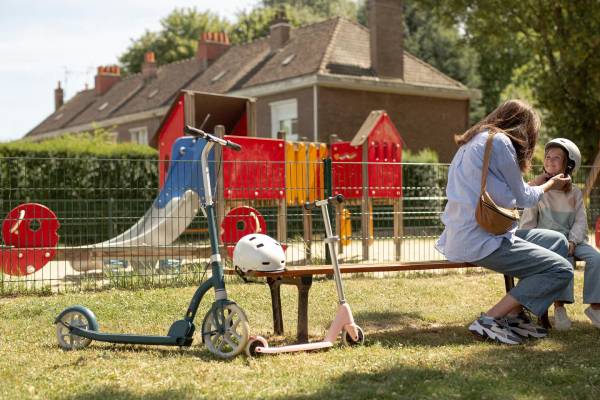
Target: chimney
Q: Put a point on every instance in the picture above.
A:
(106, 78)
(59, 97)
(211, 46)
(386, 24)
(280, 31)
(149, 68)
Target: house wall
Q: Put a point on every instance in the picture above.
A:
(422, 121)
(123, 134)
(304, 98)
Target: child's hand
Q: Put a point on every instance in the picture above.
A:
(572, 246)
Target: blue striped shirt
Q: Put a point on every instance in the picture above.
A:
(463, 240)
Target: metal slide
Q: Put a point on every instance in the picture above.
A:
(172, 211)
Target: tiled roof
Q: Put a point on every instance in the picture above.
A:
(160, 91)
(350, 55)
(233, 68)
(65, 114)
(307, 46)
(105, 105)
(332, 47)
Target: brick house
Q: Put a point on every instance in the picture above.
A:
(313, 81)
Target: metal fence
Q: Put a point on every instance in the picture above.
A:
(143, 233)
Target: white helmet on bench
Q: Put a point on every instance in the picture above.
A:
(258, 252)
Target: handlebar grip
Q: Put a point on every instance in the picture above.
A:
(330, 200)
(233, 146)
(339, 198)
(190, 130)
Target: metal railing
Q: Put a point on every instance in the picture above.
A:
(140, 234)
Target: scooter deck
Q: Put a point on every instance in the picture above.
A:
(294, 347)
(132, 339)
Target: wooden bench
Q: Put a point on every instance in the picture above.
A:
(302, 278)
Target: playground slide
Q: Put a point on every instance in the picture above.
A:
(172, 211)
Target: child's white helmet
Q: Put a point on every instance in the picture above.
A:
(573, 154)
(258, 252)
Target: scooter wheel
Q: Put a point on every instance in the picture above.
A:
(253, 343)
(231, 342)
(76, 318)
(348, 341)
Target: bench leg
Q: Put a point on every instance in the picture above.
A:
(304, 285)
(275, 289)
(543, 320)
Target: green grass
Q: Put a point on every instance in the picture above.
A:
(417, 346)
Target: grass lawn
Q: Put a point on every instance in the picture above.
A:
(417, 346)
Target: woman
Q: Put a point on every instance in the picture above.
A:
(536, 256)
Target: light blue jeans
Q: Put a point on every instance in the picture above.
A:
(538, 259)
(591, 276)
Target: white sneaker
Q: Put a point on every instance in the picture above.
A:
(561, 319)
(593, 315)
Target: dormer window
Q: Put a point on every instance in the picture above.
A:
(288, 59)
(218, 76)
(103, 106)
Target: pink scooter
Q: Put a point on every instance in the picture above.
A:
(343, 322)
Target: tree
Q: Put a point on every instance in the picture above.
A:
(555, 46)
(177, 40)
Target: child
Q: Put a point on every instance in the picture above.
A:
(563, 211)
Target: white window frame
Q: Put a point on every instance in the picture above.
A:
(139, 135)
(284, 111)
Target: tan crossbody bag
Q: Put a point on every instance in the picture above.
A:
(491, 217)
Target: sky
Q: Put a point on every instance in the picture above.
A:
(43, 42)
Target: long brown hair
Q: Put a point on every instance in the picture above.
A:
(517, 120)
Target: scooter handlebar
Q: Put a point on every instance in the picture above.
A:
(190, 130)
(330, 200)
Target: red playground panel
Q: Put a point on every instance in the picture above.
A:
(384, 152)
(256, 172)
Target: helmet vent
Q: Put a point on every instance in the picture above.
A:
(258, 246)
(252, 238)
(266, 263)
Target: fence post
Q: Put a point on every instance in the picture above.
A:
(281, 203)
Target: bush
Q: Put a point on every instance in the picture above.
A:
(424, 183)
(82, 178)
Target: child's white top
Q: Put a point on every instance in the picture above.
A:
(561, 212)
(463, 240)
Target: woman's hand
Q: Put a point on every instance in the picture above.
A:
(540, 179)
(557, 182)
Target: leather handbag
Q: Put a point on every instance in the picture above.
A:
(490, 216)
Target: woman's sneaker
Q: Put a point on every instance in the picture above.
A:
(488, 328)
(593, 315)
(524, 327)
(561, 319)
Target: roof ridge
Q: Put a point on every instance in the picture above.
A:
(426, 64)
(330, 46)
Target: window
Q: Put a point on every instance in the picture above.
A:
(284, 117)
(139, 135)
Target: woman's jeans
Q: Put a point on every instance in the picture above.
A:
(591, 276)
(538, 259)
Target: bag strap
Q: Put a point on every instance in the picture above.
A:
(486, 161)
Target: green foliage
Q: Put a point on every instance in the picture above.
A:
(556, 42)
(82, 178)
(423, 183)
(177, 40)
